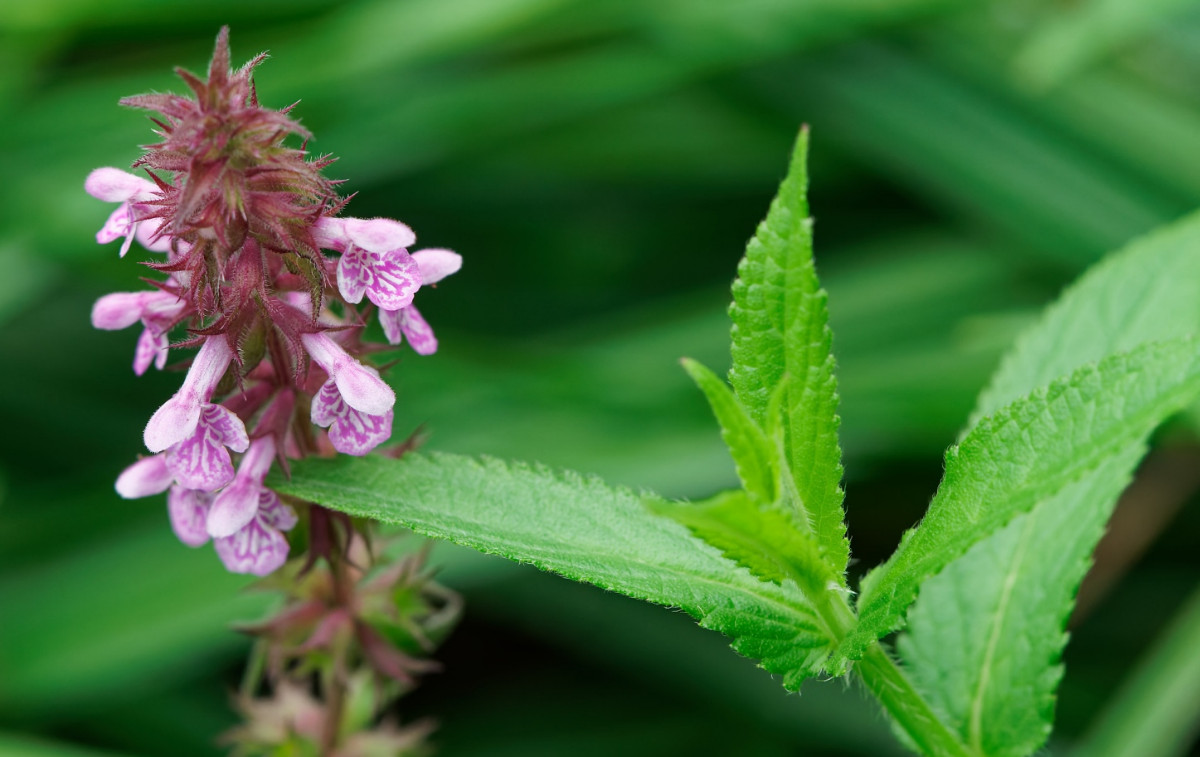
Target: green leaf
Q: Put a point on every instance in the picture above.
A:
(581, 529)
(780, 336)
(985, 637)
(765, 539)
(1148, 291)
(1023, 455)
(748, 445)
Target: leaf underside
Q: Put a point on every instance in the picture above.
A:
(579, 528)
(781, 342)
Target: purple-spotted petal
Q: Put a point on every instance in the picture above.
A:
(351, 432)
(326, 404)
(188, 510)
(144, 478)
(390, 320)
(395, 279)
(152, 347)
(378, 234)
(274, 513)
(437, 264)
(202, 461)
(354, 274)
(419, 334)
(234, 507)
(227, 426)
(357, 433)
(256, 548)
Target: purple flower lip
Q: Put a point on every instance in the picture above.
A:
(351, 431)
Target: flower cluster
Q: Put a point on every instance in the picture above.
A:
(246, 226)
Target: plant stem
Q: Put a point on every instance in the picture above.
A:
(908, 709)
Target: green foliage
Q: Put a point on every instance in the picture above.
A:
(609, 156)
(748, 444)
(985, 636)
(766, 540)
(1148, 291)
(581, 529)
(765, 565)
(781, 343)
(1024, 454)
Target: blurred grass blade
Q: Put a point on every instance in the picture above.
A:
(1084, 33)
(1157, 712)
(15, 745)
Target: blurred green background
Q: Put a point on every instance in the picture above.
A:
(599, 164)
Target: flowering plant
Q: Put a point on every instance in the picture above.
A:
(243, 223)
(977, 594)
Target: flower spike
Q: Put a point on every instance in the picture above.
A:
(271, 285)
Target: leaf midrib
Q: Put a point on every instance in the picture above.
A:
(787, 608)
(975, 727)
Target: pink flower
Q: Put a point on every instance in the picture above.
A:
(115, 185)
(259, 547)
(157, 310)
(360, 387)
(434, 265)
(237, 503)
(179, 416)
(188, 511)
(350, 431)
(374, 260)
(201, 461)
(145, 478)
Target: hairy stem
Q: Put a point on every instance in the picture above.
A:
(908, 709)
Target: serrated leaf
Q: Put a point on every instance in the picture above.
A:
(1148, 291)
(577, 527)
(781, 330)
(985, 637)
(765, 539)
(1025, 454)
(752, 453)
